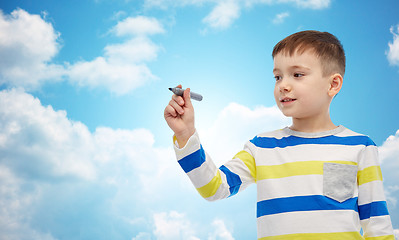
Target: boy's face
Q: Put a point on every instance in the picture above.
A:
(301, 90)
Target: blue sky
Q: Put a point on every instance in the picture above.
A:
(84, 150)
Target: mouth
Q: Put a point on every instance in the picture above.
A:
(287, 100)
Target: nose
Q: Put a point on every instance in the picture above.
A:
(284, 86)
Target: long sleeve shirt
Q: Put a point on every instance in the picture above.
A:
(309, 185)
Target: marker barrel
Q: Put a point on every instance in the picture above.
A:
(179, 92)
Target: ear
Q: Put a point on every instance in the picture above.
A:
(336, 81)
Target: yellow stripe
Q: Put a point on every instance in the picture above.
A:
(210, 189)
(386, 237)
(316, 236)
(294, 169)
(249, 162)
(369, 174)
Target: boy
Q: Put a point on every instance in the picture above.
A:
(314, 180)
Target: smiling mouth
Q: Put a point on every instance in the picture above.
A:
(286, 100)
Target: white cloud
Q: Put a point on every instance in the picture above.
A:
(221, 232)
(223, 14)
(280, 17)
(389, 155)
(165, 4)
(53, 169)
(123, 66)
(135, 50)
(246, 123)
(391, 194)
(312, 4)
(173, 225)
(390, 148)
(118, 15)
(39, 142)
(393, 52)
(139, 25)
(27, 45)
(142, 236)
(15, 208)
(102, 73)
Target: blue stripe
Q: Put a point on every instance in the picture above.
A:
(233, 180)
(268, 142)
(192, 161)
(303, 203)
(373, 209)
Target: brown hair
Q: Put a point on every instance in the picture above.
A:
(325, 45)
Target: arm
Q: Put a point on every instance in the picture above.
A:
(211, 182)
(373, 212)
(179, 114)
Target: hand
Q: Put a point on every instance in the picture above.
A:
(179, 114)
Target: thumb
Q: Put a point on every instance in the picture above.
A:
(187, 98)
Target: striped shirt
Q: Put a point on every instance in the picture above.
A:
(309, 185)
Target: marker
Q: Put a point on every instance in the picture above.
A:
(179, 92)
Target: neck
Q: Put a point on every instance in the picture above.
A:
(312, 125)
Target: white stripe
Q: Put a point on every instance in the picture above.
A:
(308, 222)
(192, 145)
(371, 192)
(311, 152)
(203, 174)
(381, 226)
(238, 167)
(290, 186)
(348, 133)
(223, 191)
(281, 133)
(303, 185)
(369, 157)
(277, 134)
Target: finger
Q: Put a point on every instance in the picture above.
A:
(178, 99)
(170, 111)
(176, 106)
(187, 99)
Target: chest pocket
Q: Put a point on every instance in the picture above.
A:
(339, 181)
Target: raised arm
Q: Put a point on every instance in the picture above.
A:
(179, 114)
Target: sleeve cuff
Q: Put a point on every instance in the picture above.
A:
(192, 145)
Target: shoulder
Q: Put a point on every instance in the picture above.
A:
(278, 134)
(269, 139)
(286, 137)
(354, 138)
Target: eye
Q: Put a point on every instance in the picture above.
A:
(298, 75)
(277, 77)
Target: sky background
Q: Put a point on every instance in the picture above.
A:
(84, 150)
